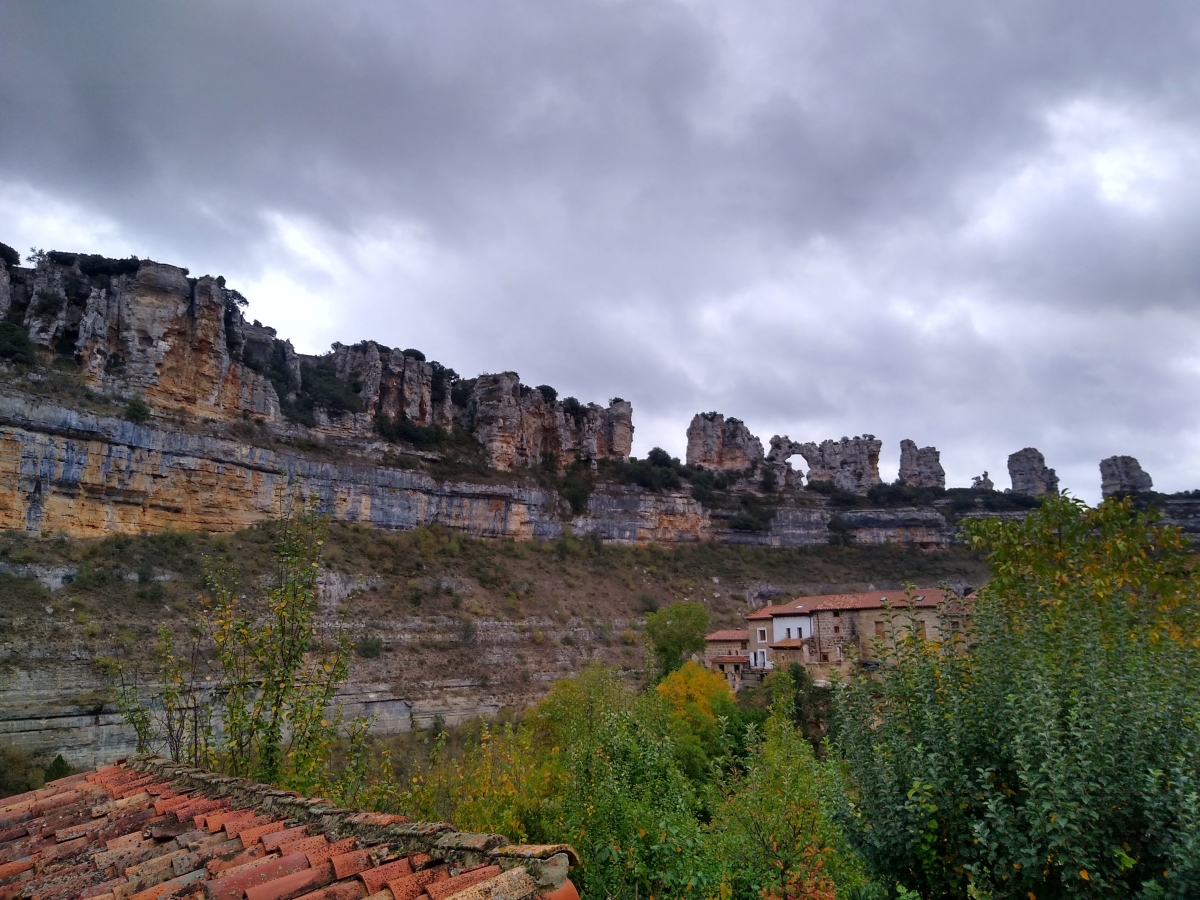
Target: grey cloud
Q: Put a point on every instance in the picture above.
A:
(602, 181)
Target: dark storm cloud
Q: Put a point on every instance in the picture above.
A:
(966, 224)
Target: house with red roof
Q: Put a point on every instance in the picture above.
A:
(827, 632)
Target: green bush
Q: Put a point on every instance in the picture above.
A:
(8, 256)
(137, 411)
(15, 344)
(1059, 754)
(369, 646)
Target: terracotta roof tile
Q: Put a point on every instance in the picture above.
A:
(729, 659)
(376, 878)
(324, 854)
(150, 829)
(343, 890)
(272, 840)
(291, 886)
(440, 890)
(729, 634)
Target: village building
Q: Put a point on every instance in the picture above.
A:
(725, 652)
(832, 632)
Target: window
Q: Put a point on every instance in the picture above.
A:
(789, 633)
(762, 635)
(921, 629)
(837, 629)
(837, 614)
(824, 657)
(879, 631)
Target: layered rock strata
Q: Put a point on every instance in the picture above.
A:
(1123, 475)
(921, 468)
(715, 442)
(1030, 475)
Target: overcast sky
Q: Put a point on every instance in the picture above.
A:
(975, 225)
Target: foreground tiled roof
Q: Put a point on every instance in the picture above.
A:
(150, 829)
(922, 597)
(729, 634)
(729, 659)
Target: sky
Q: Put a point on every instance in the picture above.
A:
(974, 225)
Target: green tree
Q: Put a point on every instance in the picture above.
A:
(253, 694)
(1056, 753)
(676, 631)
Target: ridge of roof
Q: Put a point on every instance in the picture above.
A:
(151, 829)
(922, 597)
(729, 634)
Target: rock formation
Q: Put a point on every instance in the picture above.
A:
(140, 328)
(782, 449)
(982, 482)
(521, 426)
(1123, 475)
(1029, 474)
(851, 464)
(715, 442)
(921, 468)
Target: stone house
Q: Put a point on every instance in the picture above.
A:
(829, 633)
(725, 652)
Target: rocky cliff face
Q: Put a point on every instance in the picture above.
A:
(521, 426)
(715, 442)
(140, 328)
(1123, 475)
(1029, 474)
(921, 468)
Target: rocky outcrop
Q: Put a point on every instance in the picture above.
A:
(715, 442)
(520, 426)
(141, 328)
(851, 464)
(1123, 475)
(921, 468)
(1029, 474)
(779, 470)
(982, 482)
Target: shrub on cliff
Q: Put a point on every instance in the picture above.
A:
(137, 410)
(9, 257)
(15, 344)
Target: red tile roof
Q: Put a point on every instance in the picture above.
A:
(729, 634)
(150, 829)
(729, 659)
(922, 597)
(788, 643)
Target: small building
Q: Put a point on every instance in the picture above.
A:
(725, 652)
(827, 632)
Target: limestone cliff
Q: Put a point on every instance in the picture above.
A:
(138, 328)
(715, 442)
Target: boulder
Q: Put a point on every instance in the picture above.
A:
(1029, 474)
(982, 482)
(921, 468)
(715, 442)
(1123, 475)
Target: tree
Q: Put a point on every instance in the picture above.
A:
(1058, 753)
(675, 631)
(257, 670)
